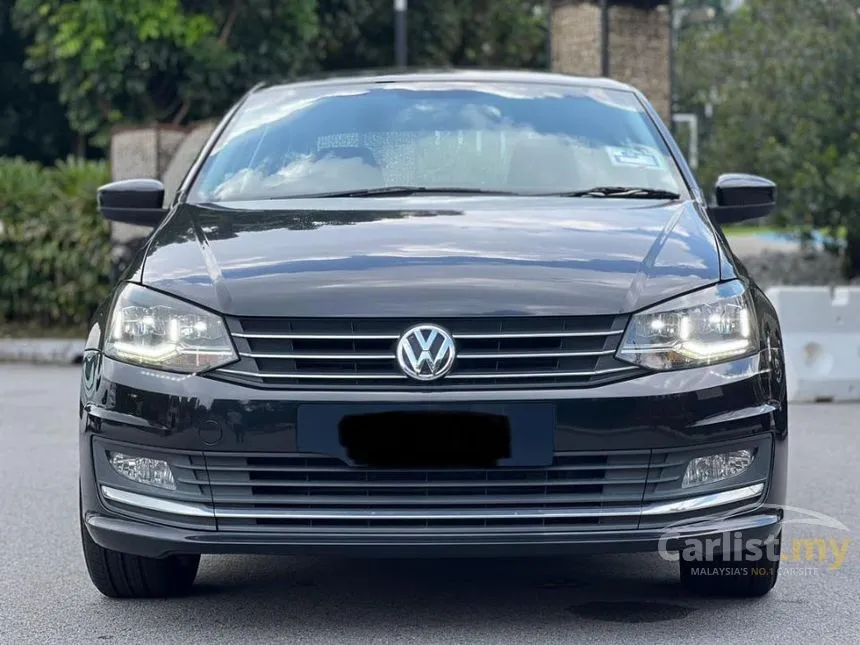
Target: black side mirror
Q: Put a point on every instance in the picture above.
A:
(743, 197)
(133, 201)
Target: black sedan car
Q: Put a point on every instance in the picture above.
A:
(440, 314)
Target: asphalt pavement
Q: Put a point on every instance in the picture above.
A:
(46, 597)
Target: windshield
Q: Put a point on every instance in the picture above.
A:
(522, 138)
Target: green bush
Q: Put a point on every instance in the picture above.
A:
(54, 245)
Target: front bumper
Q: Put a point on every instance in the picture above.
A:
(155, 541)
(638, 434)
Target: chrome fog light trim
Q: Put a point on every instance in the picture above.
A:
(704, 501)
(156, 503)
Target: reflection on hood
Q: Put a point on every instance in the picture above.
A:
(433, 257)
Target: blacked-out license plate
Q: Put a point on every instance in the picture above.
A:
(430, 435)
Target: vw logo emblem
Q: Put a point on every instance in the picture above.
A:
(425, 352)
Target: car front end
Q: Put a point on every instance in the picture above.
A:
(431, 376)
(614, 482)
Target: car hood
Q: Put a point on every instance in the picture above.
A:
(426, 257)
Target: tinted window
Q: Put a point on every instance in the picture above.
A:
(524, 138)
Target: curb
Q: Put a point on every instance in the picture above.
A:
(41, 350)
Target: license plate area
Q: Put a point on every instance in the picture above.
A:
(430, 437)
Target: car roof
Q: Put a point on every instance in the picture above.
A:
(448, 75)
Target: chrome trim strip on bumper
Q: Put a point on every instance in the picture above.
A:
(704, 501)
(662, 508)
(157, 504)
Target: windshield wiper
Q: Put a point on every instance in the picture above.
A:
(629, 192)
(400, 191)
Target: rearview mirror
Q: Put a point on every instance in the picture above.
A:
(743, 197)
(133, 201)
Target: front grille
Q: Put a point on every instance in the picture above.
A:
(314, 495)
(348, 353)
(295, 491)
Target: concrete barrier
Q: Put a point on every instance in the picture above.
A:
(56, 351)
(821, 334)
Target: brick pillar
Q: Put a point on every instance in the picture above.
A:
(639, 44)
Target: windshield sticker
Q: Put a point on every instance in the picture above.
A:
(635, 157)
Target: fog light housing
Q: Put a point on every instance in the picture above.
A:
(714, 468)
(143, 470)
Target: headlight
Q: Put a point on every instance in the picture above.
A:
(149, 328)
(709, 326)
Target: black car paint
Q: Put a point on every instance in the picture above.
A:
(196, 254)
(431, 256)
(739, 402)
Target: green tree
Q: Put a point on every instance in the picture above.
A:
(486, 33)
(134, 61)
(785, 81)
(32, 121)
(359, 34)
(121, 61)
(699, 13)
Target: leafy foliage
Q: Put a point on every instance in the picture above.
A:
(134, 61)
(54, 245)
(120, 61)
(784, 78)
(71, 69)
(32, 120)
(359, 34)
(486, 33)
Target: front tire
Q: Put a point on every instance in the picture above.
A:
(123, 575)
(732, 577)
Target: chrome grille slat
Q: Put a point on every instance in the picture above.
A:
(471, 356)
(322, 357)
(462, 357)
(505, 352)
(349, 377)
(406, 514)
(266, 491)
(500, 335)
(469, 375)
(466, 375)
(503, 336)
(318, 336)
(511, 501)
(450, 472)
(571, 483)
